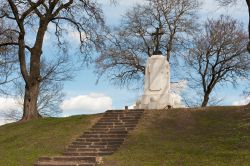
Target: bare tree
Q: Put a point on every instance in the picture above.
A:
(8, 59)
(218, 55)
(233, 2)
(124, 57)
(50, 90)
(32, 18)
(49, 100)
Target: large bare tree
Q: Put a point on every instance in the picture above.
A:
(218, 55)
(232, 2)
(30, 20)
(123, 59)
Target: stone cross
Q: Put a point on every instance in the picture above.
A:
(156, 40)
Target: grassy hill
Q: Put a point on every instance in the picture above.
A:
(188, 137)
(211, 136)
(22, 143)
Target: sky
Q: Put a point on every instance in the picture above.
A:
(84, 96)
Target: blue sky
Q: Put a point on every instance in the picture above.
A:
(122, 97)
(84, 96)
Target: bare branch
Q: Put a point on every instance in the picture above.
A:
(13, 44)
(219, 55)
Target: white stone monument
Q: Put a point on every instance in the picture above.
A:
(157, 80)
(156, 85)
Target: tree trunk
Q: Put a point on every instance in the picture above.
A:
(30, 110)
(205, 100)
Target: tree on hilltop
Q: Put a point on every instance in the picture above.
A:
(219, 55)
(30, 20)
(233, 2)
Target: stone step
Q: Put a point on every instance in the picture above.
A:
(89, 149)
(114, 123)
(94, 145)
(113, 130)
(68, 159)
(121, 122)
(96, 140)
(125, 111)
(103, 136)
(108, 145)
(113, 116)
(106, 132)
(103, 153)
(88, 144)
(78, 146)
(109, 123)
(113, 127)
(118, 120)
(113, 143)
(121, 115)
(82, 144)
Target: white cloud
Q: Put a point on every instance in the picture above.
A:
(2, 121)
(242, 101)
(211, 9)
(122, 3)
(127, 3)
(74, 36)
(86, 104)
(176, 89)
(6, 105)
(132, 106)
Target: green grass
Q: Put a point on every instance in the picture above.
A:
(215, 136)
(22, 143)
(182, 137)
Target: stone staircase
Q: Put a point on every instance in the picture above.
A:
(104, 138)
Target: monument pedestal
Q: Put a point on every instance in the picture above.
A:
(156, 85)
(154, 102)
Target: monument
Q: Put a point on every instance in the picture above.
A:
(157, 80)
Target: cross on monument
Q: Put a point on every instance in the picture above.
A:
(156, 40)
(157, 94)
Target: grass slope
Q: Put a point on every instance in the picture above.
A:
(22, 143)
(188, 137)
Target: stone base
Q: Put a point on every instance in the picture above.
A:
(155, 102)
